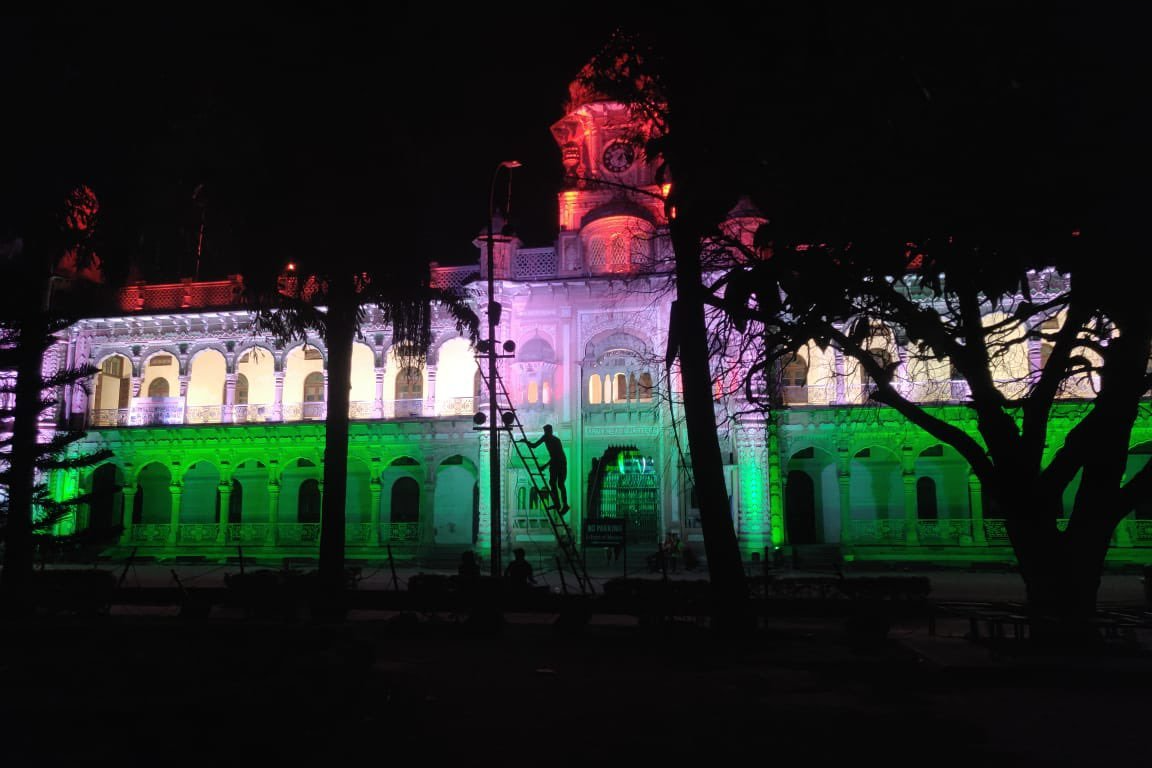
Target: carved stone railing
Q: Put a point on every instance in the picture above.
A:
(359, 533)
(298, 534)
(150, 533)
(192, 534)
(996, 532)
(361, 409)
(251, 412)
(1141, 532)
(453, 277)
(403, 409)
(293, 411)
(877, 532)
(248, 533)
(110, 417)
(408, 533)
(458, 406)
(946, 532)
(534, 264)
(204, 414)
(148, 412)
(314, 411)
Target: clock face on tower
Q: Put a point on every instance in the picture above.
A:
(618, 156)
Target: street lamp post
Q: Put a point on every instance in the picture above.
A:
(495, 507)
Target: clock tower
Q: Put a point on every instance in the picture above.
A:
(611, 208)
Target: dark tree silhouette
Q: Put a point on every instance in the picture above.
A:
(920, 169)
(54, 274)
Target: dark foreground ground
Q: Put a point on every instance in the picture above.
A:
(145, 686)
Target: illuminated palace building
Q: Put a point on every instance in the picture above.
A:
(217, 432)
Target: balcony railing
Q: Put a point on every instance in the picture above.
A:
(877, 531)
(251, 412)
(205, 414)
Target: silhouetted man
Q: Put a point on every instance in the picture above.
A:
(557, 466)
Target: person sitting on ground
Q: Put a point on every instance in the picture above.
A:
(519, 571)
(469, 569)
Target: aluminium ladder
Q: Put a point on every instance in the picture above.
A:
(519, 439)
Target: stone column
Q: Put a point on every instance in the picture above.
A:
(976, 502)
(278, 397)
(374, 513)
(182, 381)
(273, 511)
(911, 518)
(225, 491)
(378, 402)
(430, 394)
(129, 499)
(838, 375)
(845, 480)
(775, 485)
(229, 398)
(177, 491)
(325, 372)
(428, 510)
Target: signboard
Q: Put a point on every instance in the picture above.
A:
(604, 533)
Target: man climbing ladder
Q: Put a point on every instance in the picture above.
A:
(557, 467)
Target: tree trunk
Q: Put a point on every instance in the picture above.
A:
(1061, 572)
(15, 580)
(725, 567)
(341, 334)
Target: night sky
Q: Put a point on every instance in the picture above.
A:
(376, 135)
(401, 120)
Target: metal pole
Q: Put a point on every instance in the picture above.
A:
(496, 511)
(494, 505)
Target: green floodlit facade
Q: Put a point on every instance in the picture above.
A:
(217, 433)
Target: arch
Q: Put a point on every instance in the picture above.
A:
(299, 363)
(243, 390)
(153, 503)
(1008, 352)
(876, 485)
(949, 474)
(161, 365)
(251, 477)
(820, 467)
(363, 375)
(236, 503)
(616, 343)
(455, 378)
(207, 372)
(198, 502)
(595, 390)
(800, 508)
(1138, 456)
(536, 350)
(258, 367)
(106, 502)
(314, 387)
(409, 392)
(358, 493)
(930, 376)
(404, 500)
(112, 390)
(926, 507)
(308, 501)
(617, 240)
(794, 379)
(452, 500)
